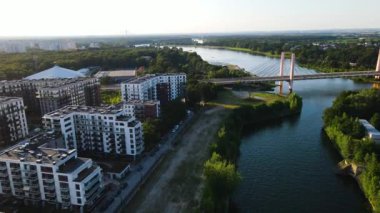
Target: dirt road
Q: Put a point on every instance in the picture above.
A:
(176, 184)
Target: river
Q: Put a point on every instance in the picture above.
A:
(289, 166)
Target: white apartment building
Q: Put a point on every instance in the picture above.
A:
(13, 125)
(40, 170)
(162, 87)
(101, 130)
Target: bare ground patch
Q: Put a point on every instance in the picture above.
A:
(176, 184)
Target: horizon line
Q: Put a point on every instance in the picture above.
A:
(326, 30)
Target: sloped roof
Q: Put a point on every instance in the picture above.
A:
(55, 72)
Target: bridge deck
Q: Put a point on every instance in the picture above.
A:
(221, 81)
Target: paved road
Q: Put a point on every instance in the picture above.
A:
(130, 185)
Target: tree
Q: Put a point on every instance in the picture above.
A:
(151, 133)
(105, 80)
(221, 179)
(375, 120)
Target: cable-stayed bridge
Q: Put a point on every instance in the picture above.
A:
(289, 71)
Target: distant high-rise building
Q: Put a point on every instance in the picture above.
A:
(13, 125)
(41, 169)
(98, 130)
(161, 87)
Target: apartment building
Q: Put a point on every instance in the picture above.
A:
(161, 87)
(13, 125)
(98, 130)
(70, 92)
(142, 110)
(39, 170)
(46, 95)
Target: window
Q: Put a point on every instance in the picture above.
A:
(78, 194)
(79, 201)
(77, 186)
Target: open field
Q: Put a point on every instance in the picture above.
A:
(176, 184)
(233, 99)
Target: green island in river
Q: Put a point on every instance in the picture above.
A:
(347, 134)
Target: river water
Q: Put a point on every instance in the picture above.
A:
(289, 166)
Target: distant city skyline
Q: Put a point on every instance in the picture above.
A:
(23, 18)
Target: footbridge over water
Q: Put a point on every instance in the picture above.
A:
(291, 77)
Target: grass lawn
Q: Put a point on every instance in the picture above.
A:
(254, 52)
(267, 97)
(229, 100)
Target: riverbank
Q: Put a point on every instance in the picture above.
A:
(221, 177)
(353, 169)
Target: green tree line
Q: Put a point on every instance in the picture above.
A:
(158, 60)
(325, 53)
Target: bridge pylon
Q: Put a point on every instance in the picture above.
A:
(378, 66)
(282, 61)
(291, 73)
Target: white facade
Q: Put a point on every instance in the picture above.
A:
(146, 88)
(13, 125)
(105, 130)
(35, 172)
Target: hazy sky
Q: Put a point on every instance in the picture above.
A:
(115, 17)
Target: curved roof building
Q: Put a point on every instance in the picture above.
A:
(55, 72)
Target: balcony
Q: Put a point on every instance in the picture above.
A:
(16, 178)
(6, 187)
(91, 183)
(50, 193)
(17, 183)
(65, 190)
(35, 192)
(48, 181)
(3, 175)
(49, 188)
(66, 203)
(32, 172)
(65, 196)
(15, 170)
(50, 197)
(30, 175)
(35, 187)
(92, 191)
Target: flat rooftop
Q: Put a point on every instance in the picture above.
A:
(107, 110)
(4, 99)
(47, 83)
(149, 76)
(370, 129)
(134, 102)
(72, 165)
(44, 148)
(85, 173)
(113, 166)
(116, 73)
